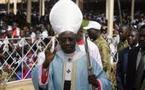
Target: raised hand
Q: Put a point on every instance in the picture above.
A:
(48, 58)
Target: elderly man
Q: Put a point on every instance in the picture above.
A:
(67, 69)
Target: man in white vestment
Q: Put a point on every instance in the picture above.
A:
(67, 68)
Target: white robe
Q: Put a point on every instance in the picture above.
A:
(93, 51)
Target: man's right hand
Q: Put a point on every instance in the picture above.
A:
(48, 58)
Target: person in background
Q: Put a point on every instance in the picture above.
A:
(121, 70)
(92, 48)
(123, 40)
(94, 32)
(135, 76)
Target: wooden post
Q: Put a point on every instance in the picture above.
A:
(8, 6)
(132, 9)
(110, 17)
(80, 4)
(120, 14)
(43, 7)
(77, 2)
(15, 7)
(40, 7)
(29, 11)
(107, 7)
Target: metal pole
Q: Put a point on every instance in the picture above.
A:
(132, 9)
(29, 2)
(110, 17)
(22, 64)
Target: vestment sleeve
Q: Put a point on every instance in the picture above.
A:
(103, 82)
(40, 77)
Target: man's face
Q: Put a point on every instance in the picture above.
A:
(142, 39)
(93, 34)
(123, 33)
(67, 42)
(132, 38)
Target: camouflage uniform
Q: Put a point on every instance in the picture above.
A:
(104, 52)
(85, 22)
(105, 57)
(122, 45)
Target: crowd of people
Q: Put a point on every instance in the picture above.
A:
(127, 36)
(18, 42)
(120, 58)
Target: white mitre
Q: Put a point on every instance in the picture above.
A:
(65, 16)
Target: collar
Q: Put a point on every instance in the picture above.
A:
(77, 54)
(134, 46)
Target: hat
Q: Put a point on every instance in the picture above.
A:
(93, 25)
(65, 16)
